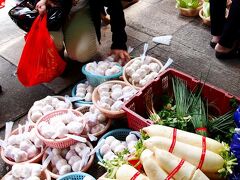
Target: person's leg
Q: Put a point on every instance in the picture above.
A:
(80, 37)
(217, 15)
(104, 17)
(232, 26)
(57, 37)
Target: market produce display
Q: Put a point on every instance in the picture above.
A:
(27, 171)
(84, 91)
(22, 145)
(57, 126)
(113, 146)
(46, 105)
(97, 122)
(73, 159)
(110, 96)
(103, 68)
(138, 73)
(184, 138)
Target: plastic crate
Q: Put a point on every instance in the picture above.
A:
(136, 108)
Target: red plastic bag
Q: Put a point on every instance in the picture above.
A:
(40, 61)
(2, 3)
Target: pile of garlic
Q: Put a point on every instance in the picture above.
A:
(84, 91)
(25, 171)
(112, 96)
(95, 121)
(112, 146)
(103, 68)
(141, 72)
(23, 146)
(71, 159)
(46, 105)
(60, 125)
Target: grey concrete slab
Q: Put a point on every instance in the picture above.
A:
(8, 29)
(16, 99)
(197, 64)
(7, 48)
(155, 19)
(69, 79)
(151, 1)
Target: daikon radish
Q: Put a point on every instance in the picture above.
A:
(212, 162)
(214, 176)
(170, 162)
(199, 175)
(127, 172)
(183, 136)
(151, 167)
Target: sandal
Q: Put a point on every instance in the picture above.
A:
(213, 44)
(235, 53)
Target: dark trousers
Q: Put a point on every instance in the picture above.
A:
(228, 28)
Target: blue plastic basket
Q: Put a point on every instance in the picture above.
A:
(80, 102)
(95, 80)
(119, 134)
(74, 176)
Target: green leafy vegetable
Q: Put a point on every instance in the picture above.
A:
(206, 9)
(112, 165)
(229, 161)
(189, 4)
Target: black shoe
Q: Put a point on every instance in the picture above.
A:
(213, 44)
(230, 55)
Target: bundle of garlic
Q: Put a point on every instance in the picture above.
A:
(103, 68)
(26, 171)
(96, 121)
(23, 146)
(112, 146)
(112, 95)
(46, 105)
(84, 91)
(58, 126)
(73, 159)
(139, 72)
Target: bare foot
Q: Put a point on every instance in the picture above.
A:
(215, 39)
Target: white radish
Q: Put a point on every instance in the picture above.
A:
(212, 162)
(169, 162)
(127, 172)
(199, 175)
(151, 167)
(183, 136)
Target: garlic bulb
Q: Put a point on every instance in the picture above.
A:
(116, 94)
(154, 67)
(97, 128)
(35, 115)
(104, 149)
(75, 127)
(70, 154)
(117, 105)
(103, 68)
(109, 140)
